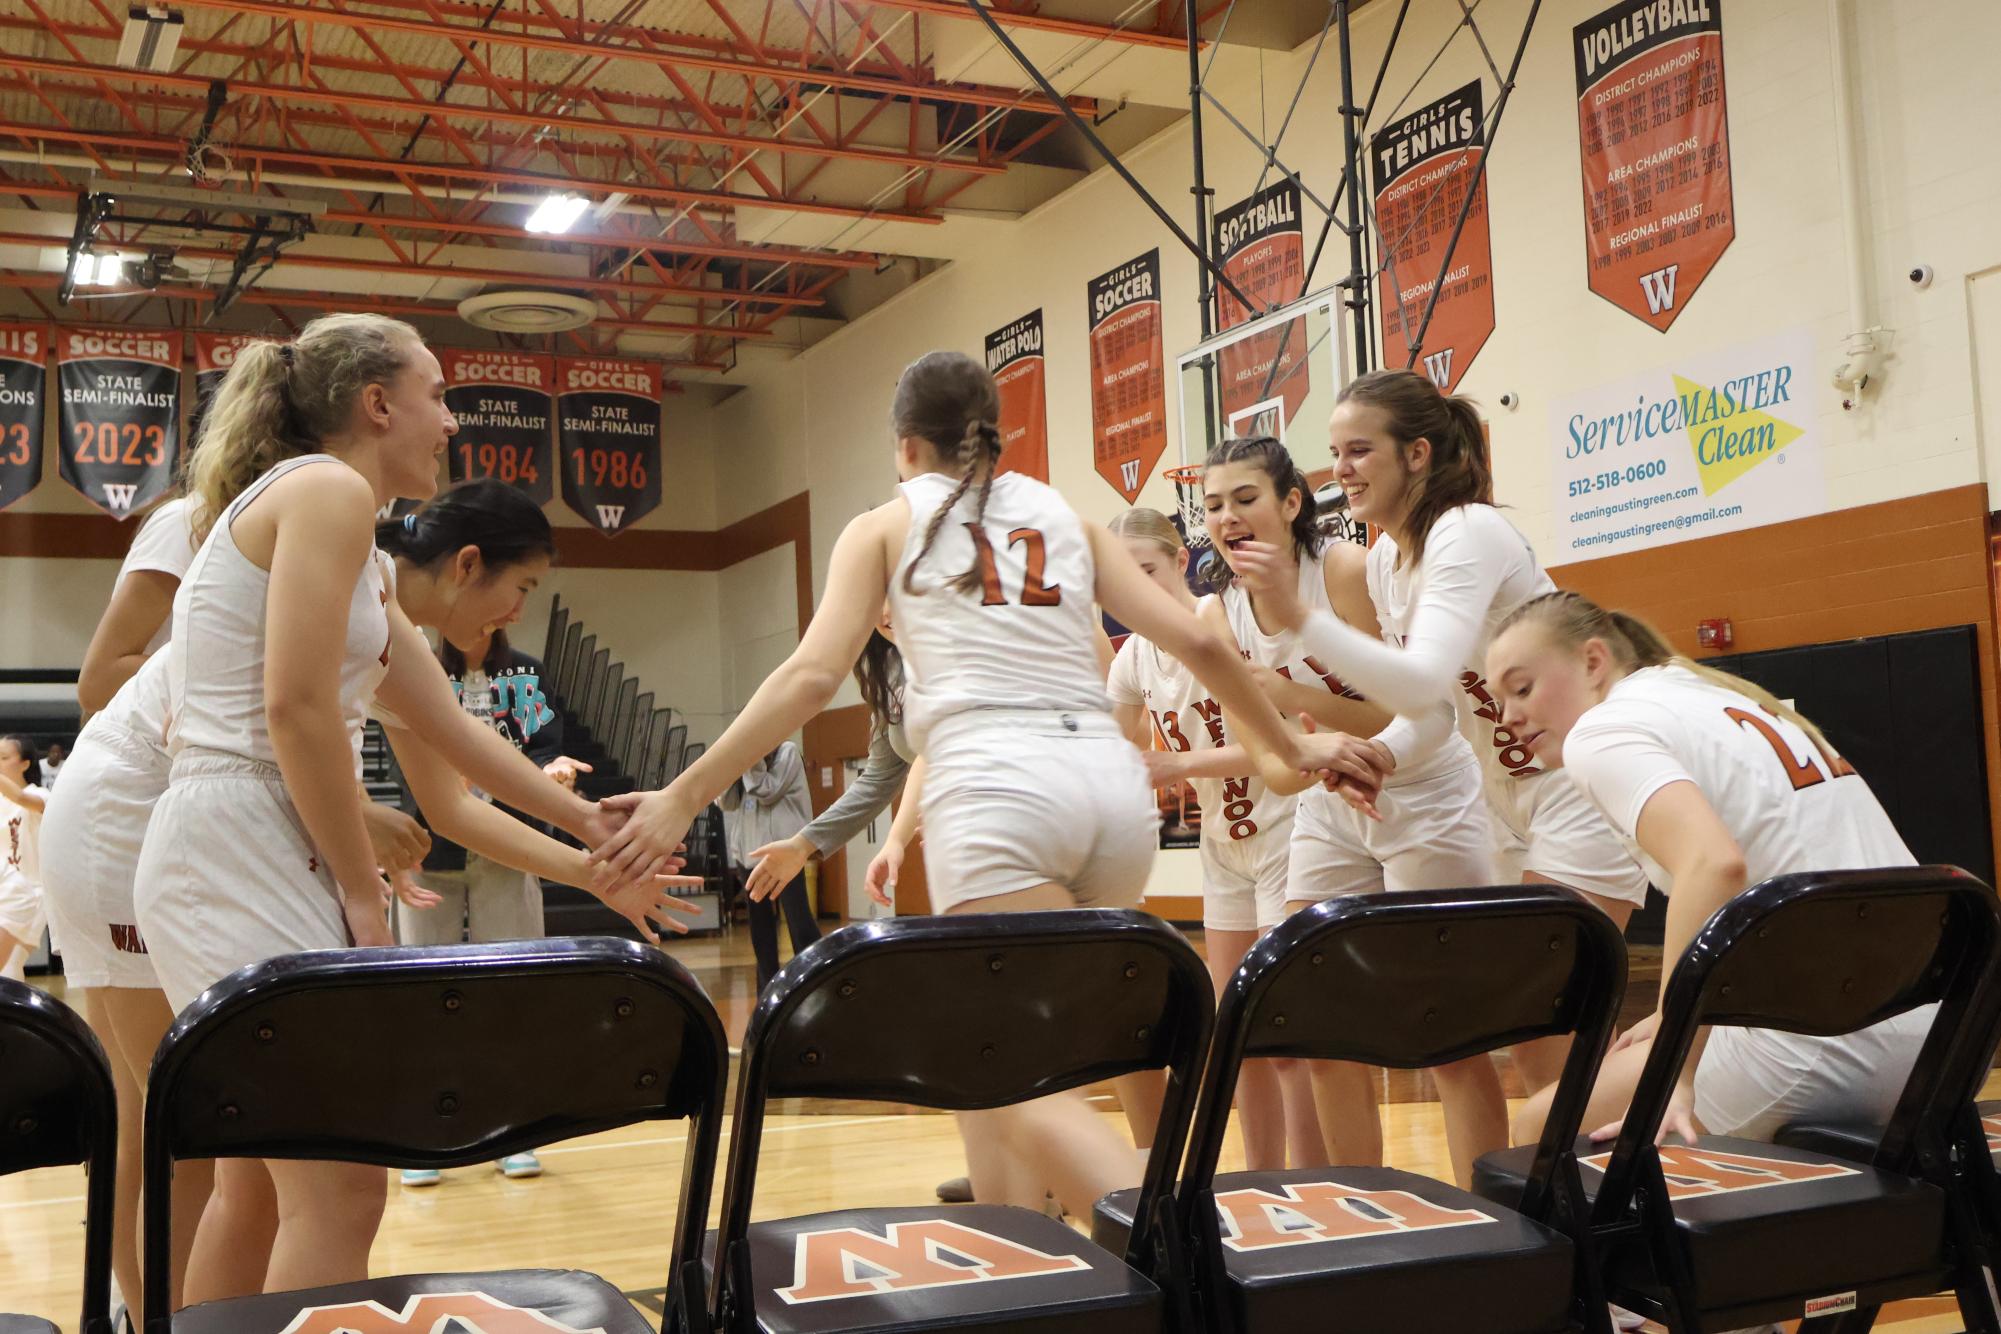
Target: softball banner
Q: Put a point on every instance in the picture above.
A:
(1128, 375)
(608, 426)
(121, 414)
(214, 355)
(1260, 246)
(1014, 359)
(504, 408)
(24, 352)
(1710, 444)
(1423, 167)
(1653, 129)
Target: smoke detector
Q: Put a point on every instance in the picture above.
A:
(528, 311)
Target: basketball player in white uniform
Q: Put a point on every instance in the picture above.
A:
(1033, 799)
(23, 912)
(1714, 786)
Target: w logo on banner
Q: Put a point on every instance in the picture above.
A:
(1659, 288)
(1439, 367)
(610, 516)
(119, 495)
(1129, 474)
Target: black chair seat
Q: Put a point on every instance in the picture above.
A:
(974, 1266)
(1856, 1143)
(26, 1324)
(493, 1303)
(1762, 1219)
(1363, 1249)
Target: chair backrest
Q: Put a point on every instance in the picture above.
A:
(414, 1057)
(58, 1107)
(602, 696)
(677, 751)
(621, 721)
(559, 621)
(691, 754)
(655, 770)
(1825, 953)
(632, 742)
(572, 661)
(590, 661)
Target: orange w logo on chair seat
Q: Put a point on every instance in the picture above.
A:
(926, 1253)
(428, 1313)
(1328, 1211)
(1696, 1171)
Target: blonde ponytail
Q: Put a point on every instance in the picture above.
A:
(1147, 525)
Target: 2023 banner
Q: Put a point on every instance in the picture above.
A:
(608, 426)
(121, 414)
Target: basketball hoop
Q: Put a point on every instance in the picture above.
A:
(1187, 479)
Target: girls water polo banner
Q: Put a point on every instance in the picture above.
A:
(1260, 246)
(504, 407)
(214, 355)
(121, 414)
(1423, 167)
(1014, 359)
(1655, 136)
(24, 350)
(608, 429)
(1128, 375)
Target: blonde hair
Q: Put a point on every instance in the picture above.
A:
(1148, 526)
(1571, 619)
(281, 400)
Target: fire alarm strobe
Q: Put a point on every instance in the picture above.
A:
(1716, 633)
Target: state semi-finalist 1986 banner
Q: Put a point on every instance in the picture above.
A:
(1014, 359)
(1424, 165)
(1128, 374)
(24, 352)
(608, 426)
(214, 355)
(1261, 248)
(505, 409)
(121, 414)
(1655, 135)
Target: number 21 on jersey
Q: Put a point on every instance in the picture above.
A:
(1034, 593)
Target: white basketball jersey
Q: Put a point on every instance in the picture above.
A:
(1789, 808)
(164, 542)
(1026, 637)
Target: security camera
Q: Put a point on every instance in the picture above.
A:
(1511, 400)
(1921, 276)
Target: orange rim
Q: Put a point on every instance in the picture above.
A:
(1186, 474)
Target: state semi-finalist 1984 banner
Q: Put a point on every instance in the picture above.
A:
(608, 426)
(214, 355)
(1424, 165)
(1014, 359)
(504, 406)
(1260, 247)
(24, 353)
(121, 414)
(1128, 374)
(1655, 135)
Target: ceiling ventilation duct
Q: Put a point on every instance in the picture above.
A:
(525, 310)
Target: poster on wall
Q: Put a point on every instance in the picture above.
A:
(1128, 374)
(1655, 137)
(608, 429)
(1260, 246)
(1014, 359)
(214, 355)
(121, 414)
(1712, 443)
(1423, 167)
(504, 408)
(24, 352)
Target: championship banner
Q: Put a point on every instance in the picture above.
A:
(121, 414)
(24, 349)
(1423, 166)
(214, 355)
(504, 409)
(1260, 246)
(1014, 359)
(608, 426)
(1655, 136)
(1128, 375)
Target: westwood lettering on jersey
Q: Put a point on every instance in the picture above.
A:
(140, 347)
(1659, 19)
(924, 1253)
(1132, 283)
(1693, 1171)
(1267, 215)
(1316, 1211)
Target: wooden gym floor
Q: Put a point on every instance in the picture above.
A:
(600, 1202)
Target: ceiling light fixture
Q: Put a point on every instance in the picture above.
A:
(557, 213)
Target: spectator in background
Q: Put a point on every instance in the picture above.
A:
(768, 805)
(52, 760)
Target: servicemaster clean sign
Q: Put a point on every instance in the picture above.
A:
(1707, 444)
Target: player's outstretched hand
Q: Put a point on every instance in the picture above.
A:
(565, 770)
(646, 903)
(655, 825)
(773, 866)
(412, 893)
(1353, 767)
(882, 872)
(1163, 767)
(1262, 569)
(397, 840)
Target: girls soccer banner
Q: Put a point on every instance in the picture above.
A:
(121, 414)
(608, 427)
(214, 355)
(1260, 246)
(504, 408)
(1423, 166)
(1014, 359)
(1128, 375)
(1652, 126)
(24, 349)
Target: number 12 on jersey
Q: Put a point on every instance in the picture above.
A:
(1034, 593)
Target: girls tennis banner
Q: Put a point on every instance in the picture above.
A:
(121, 414)
(214, 355)
(1260, 246)
(1014, 359)
(24, 352)
(608, 428)
(1128, 375)
(504, 407)
(1655, 136)
(1424, 166)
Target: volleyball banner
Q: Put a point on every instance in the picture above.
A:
(1260, 246)
(24, 352)
(1128, 375)
(504, 408)
(1655, 137)
(1424, 165)
(608, 428)
(1014, 358)
(121, 414)
(214, 355)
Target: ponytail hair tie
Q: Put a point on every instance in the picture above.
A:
(285, 353)
(410, 522)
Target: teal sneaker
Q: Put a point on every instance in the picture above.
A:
(519, 1166)
(422, 1176)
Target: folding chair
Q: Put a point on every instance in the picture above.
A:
(1405, 980)
(468, 1053)
(962, 1013)
(632, 742)
(58, 1107)
(572, 662)
(654, 771)
(598, 720)
(1727, 1233)
(620, 714)
(559, 621)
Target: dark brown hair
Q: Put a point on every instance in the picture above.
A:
(1275, 461)
(876, 671)
(1460, 473)
(948, 399)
